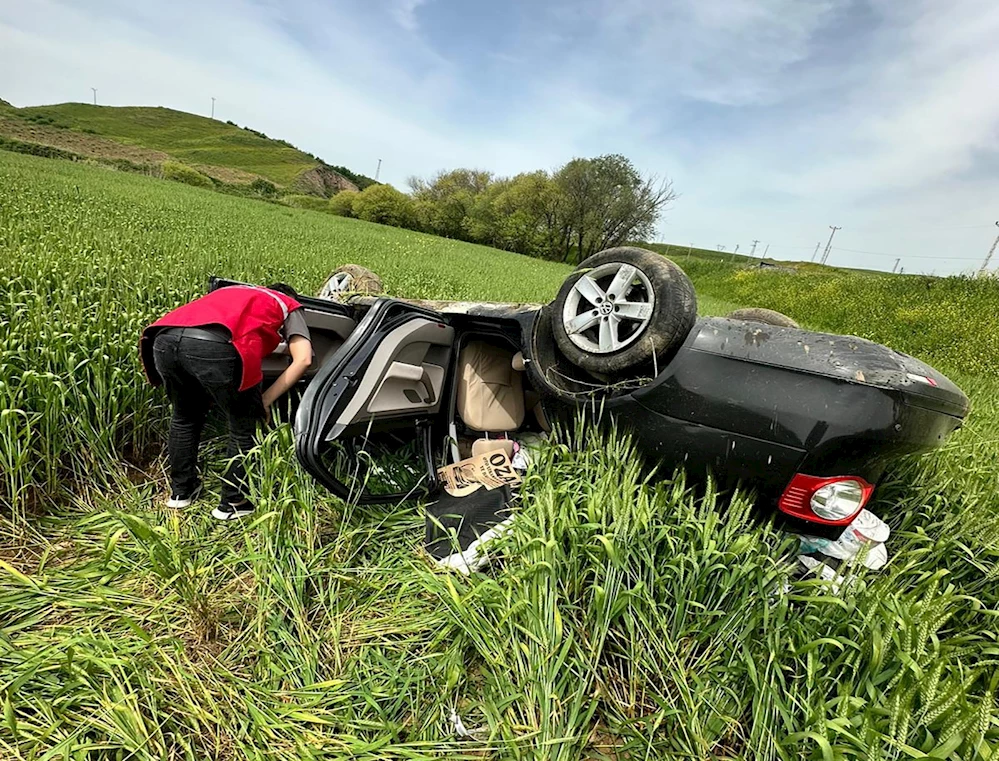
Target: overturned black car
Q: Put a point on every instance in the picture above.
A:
(809, 420)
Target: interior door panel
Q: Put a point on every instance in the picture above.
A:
(405, 375)
(327, 330)
(366, 425)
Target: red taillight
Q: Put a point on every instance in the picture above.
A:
(797, 497)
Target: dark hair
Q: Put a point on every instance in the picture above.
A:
(284, 288)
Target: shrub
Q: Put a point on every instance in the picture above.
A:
(174, 170)
(263, 187)
(306, 202)
(342, 204)
(385, 205)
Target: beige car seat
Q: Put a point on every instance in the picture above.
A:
(490, 390)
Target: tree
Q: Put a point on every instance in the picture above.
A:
(445, 202)
(605, 202)
(585, 206)
(526, 214)
(385, 205)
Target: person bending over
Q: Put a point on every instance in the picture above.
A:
(210, 351)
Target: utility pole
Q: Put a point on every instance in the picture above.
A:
(95, 95)
(213, 106)
(752, 254)
(378, 170)
(689, 249)
(816, 252)
(825, 254)
(736, 249)
(896, 265)
(765, 252)
(988, 256)
(720, 247)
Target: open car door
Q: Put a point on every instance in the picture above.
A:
(368, 421)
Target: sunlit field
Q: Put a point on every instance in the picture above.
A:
(624, 618)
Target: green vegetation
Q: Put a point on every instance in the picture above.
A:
(342, 204)
(232, 156)
(187, 137)
(385, 205)
(626, 620)
(306, 202)
(584, 206)
(680, 253)
(174, 170)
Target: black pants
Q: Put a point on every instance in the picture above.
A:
(196, 374)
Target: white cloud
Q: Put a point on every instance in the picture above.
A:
(404, 12)
(924, 113)
(727, 52)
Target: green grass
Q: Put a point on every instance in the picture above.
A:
(188, 137)
(625, 620)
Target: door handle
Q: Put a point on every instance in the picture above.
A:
(416, 374)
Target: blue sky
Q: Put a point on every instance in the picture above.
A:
(774, 118)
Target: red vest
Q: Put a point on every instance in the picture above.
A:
(252, 315)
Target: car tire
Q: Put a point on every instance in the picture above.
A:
(348, 280)
(589, 327)
(765, 316)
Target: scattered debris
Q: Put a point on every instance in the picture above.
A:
(862, 541)
(478, 733)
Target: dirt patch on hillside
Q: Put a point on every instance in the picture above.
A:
(322, 181)
(89, 146)
(80, 143)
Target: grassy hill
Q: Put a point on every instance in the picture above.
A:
(242, 154)
(190, 138)
(624, 620)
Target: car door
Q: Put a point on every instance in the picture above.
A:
(369, 423)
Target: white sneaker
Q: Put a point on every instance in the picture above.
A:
(178, 502)
(230, 512)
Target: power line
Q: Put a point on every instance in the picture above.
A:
(910, 256)
(752, 253)
(939, 257)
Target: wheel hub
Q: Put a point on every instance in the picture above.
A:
(608, 308)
